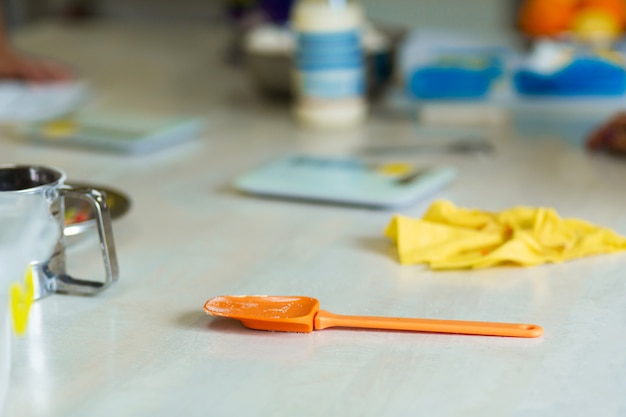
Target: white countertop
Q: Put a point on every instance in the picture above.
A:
(144, 347)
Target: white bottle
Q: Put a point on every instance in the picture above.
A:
(329, 67)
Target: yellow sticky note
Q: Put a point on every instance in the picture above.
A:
(59, 128)
(394, 169)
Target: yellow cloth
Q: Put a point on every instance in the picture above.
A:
(450, 237)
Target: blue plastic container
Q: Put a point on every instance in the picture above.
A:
(454, 79)
(587, 76)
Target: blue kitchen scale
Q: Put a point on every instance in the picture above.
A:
(342, 180)
(119, 133)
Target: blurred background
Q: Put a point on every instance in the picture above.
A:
(539, 63)
(481, 15)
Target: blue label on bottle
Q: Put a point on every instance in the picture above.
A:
(330, 65)
(333, 84)
(320, 46)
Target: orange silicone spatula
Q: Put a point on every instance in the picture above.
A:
(302, 314)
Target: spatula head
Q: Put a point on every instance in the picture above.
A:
(261, 312)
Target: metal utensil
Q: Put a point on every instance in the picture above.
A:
(79, 217)
(457, 147)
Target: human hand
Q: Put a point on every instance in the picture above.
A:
(610, 136)
(14, 65)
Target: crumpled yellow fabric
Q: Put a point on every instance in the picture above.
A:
(450, 237)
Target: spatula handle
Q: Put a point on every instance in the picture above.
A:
(325, 319)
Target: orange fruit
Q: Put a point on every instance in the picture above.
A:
(546, 17)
